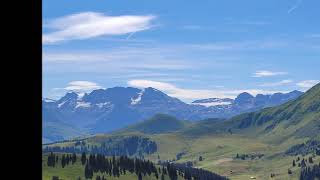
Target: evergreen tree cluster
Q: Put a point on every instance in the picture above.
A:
(68, 158)
(302, 162)
(249, 156)
(310, 172)
(100, 178)
(128, 146)
(189, 173)
(118, 166)
(311, 146)
(52, 158)
(121, 165)
(55, 178)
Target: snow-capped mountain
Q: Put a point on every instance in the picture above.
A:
(109, 109)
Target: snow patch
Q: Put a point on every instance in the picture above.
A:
(138, 99)
(59, 105)
(48, 100)
(100, 105)
(209, 104)
(82, 104)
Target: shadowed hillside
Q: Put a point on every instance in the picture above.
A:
(159, 123)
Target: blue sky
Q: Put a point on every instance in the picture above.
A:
(188, 49)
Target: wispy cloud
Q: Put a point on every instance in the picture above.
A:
(280, 83)
(193, 94)
(266, 73)
(92, 24)
(295, 6)
(80, 87)
(308, 83)
(116, 60)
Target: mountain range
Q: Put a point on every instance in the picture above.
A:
(106, 110)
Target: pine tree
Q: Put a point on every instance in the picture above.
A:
(303, 163)
(293, 163)
(55, 178)
(83, 158)
(310, 160)
(51, 160)
(63, 161)
(88, 173)
(162, 176)
(74, 158)
(57, 159)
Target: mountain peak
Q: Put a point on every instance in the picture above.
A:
(245, 94)
(151, 89)
(244, 98)
(69, 96)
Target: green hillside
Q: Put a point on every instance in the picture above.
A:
(159, 123)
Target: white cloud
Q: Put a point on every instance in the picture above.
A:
(91, 24)
(193, 94)
(79, 87)
(280, 83)
(308, 83)
(82, 86)
(265, 73)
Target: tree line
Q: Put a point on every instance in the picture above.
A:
(53, 159)
(117, 166)
(121, 165)
(134, 145)
(310, 172)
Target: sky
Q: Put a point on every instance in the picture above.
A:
(187, 49)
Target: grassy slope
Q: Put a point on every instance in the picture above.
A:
(219, 152)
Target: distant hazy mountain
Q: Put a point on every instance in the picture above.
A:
(249, 100)
(298, 118)
(159, 123)
(105, 110)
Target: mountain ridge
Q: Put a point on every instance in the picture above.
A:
(97, 111)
